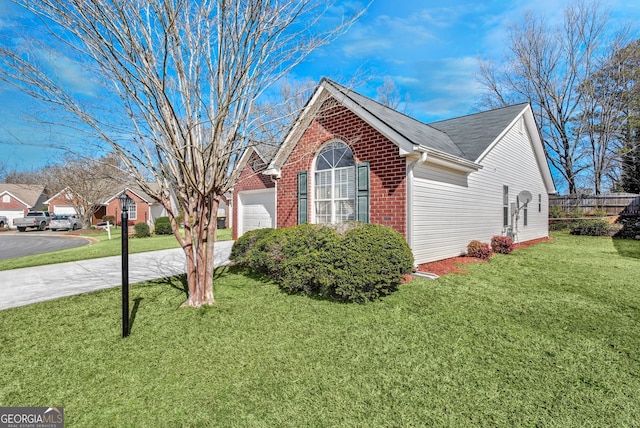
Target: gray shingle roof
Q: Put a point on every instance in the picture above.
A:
(472, 134)
(466, 137)
(31, 194)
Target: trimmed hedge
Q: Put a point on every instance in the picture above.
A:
(591, 228)
(360, 263)
(162, 226)
(142, 230)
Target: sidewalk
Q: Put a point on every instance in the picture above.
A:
(21, 287)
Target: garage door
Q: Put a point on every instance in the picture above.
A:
(11, 214)
(257, 210)
(63, 209)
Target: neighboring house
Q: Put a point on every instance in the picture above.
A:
(440, 185)
(64, 202)
(254, 195)
(143, 207)
(17, 199)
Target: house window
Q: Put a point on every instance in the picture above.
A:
(539, 202)
(335, 184)
(505, 205)
(6, 199)
(133, 210)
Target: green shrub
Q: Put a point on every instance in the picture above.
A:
(367, 262)
(575, 213)
(142, 230)
(162, 226)
(502, 244)
(629, 227)
(556, 211)
(479, 250)
(250, 249)
(590, 228)
(562, 225)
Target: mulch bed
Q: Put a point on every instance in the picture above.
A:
(454, 264)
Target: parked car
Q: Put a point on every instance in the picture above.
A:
(4, 222)
(38, 219)
(65, 222)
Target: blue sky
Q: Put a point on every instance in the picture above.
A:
(429, 49)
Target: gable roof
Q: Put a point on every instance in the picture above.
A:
(459, 143)
(412, 129)
(474, 133)
(30, 195)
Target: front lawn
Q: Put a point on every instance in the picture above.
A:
(546, 336)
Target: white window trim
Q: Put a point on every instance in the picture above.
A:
(312, 181)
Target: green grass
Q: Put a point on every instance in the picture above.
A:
(103, 247)
(545, 336)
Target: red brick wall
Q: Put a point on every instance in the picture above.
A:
(13, 204)
(142, 210)
(249, 180)
(387, 177)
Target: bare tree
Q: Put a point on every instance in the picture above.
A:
(389, 95)
(187, 76)
(546, 66)
(87, 182)
(603, 119)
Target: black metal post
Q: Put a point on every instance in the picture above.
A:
(125, 272)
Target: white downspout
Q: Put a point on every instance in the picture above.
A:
(410, 179)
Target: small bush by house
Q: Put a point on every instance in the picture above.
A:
(479, 250)
(501, 244)
(162, 226)
(358, 263)
(142, 230)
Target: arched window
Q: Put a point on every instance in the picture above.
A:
(335, 184)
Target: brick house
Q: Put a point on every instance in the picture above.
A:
(440, 185)
(143, 207)
(16, 200)
(64, 202)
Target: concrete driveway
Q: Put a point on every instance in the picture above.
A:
(18, 244)
(21, 287)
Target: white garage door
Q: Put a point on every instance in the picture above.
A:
(62, 209)
(11, 214)
(257, 210)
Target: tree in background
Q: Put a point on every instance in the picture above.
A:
(182, 80)
(546, 66)
(627, 61)
(389, 95)
(88, 182)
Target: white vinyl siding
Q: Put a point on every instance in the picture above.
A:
(449, 208)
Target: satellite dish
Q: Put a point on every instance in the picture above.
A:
(525, 197)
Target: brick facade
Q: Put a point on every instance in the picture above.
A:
(387, 178)
(12, 204)
(142, 210)
(251, 178)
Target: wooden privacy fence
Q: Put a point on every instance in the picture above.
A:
(610, 204)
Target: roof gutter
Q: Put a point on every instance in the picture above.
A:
(432, 156)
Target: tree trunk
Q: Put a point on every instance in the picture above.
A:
(199, 245)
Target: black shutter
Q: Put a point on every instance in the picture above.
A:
(362, 192)
(303, 198)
